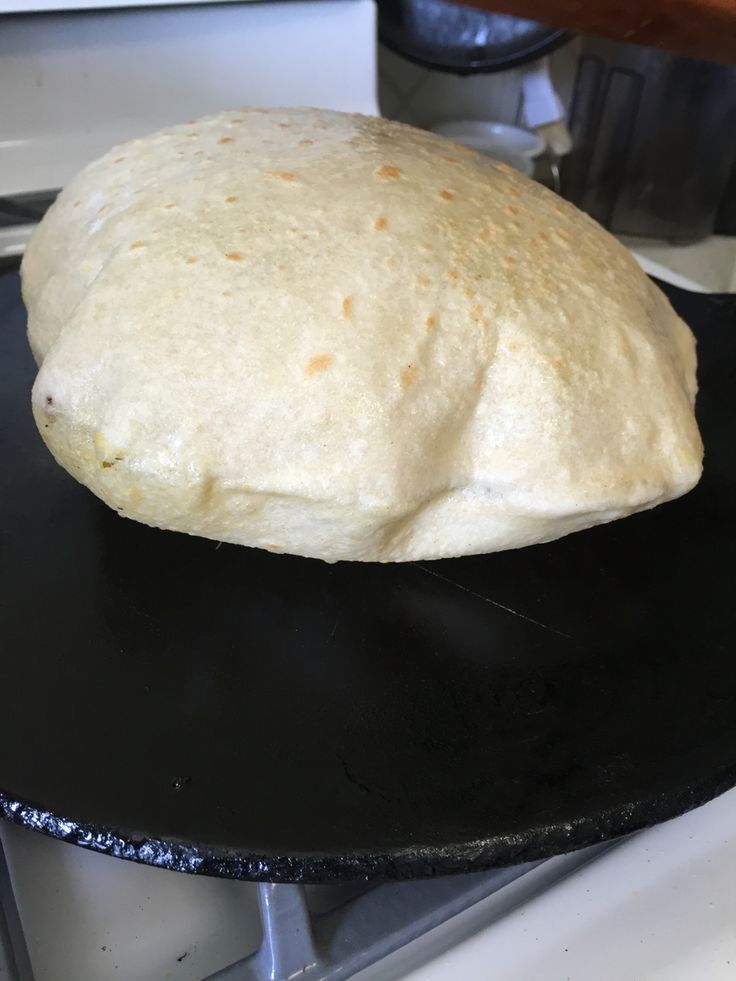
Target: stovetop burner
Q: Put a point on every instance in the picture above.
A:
(326, 932)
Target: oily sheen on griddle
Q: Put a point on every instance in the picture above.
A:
(342, 337)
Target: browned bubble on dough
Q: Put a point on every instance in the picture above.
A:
(284, 175)
(347, 306)
(306, 142)
(429, 322)
(451, 160)
(317, 364)
(512, 345)
(136, 245)
(464, 150)
(206, 489)
(408, 376)
(379, 224)
(226, 139)
(272, 547)
(452, 275)
(511, 191)
(190, 259)
(227, 292)
(387, 173)
(511, 209)
(171, 204)
(285, 125)
(118, 160)
(447, 195)
(230, 199)
(233, 256)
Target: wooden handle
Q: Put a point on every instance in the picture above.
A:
(699, 28)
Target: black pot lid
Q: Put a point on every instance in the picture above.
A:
(455, 38)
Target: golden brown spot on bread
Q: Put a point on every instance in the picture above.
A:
(285, 125)
(118, 160)
(134, 496)
(447, 195)
(227, 292)
(464, 150)
(424, 247)
(379, 224)
(408, 377)
(429, 322)
(190, 259)
(544, 236)
(225, 139)
(347, 304)
(508, 261)
(484, 323)
(273, 547)
(511, 209)
(451, 160)
(422, 281)
(317, 364)
(284, 175)
(512, 345)
(306, 142)
(484, 234)
(106, 464)
(391, 261)
(452, 275)
(387, 173)
(49, 411)
(103, 209)
(233, 256)
(230, 199)
(76, 204)
(171, 204)
(206, 488)
(511, 191)
(136, 245)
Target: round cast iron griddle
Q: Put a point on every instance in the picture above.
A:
(227, 711)
(454, 38)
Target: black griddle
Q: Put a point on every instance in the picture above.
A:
(226, 711)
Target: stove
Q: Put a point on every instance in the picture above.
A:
(658, 905)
